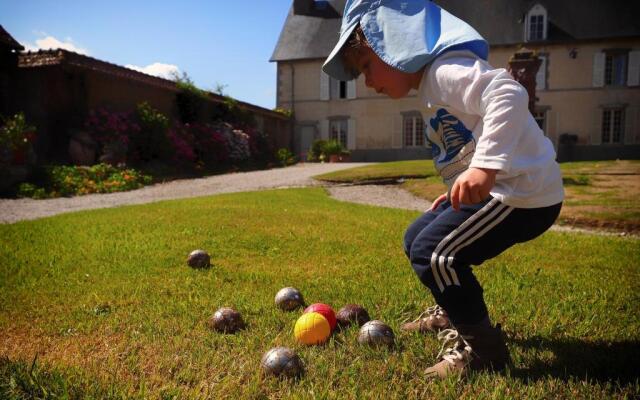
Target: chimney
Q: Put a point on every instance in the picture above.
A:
(302, 7)
(315, 8)
(523, 66)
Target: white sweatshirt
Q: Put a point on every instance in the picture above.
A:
(482, 120)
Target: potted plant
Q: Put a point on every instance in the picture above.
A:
(336, 152)
(112, 131)
(345, 156)
(316, 152)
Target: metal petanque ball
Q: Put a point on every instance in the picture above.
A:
(351, 313)
(199, 259)
(226, 320)
(288, 299)
(282, 361)
(376, 333)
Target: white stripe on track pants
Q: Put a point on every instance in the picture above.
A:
(443, 244)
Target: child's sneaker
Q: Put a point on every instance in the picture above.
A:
(470, 347)
(433, 319)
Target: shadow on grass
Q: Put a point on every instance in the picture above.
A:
(23, 380)
(579, 180)
(580, 359)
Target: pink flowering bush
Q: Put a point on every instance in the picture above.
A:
(148, 136)
(259, 145)
(239, 150)
(112, 130)
(183, 143)
(110, 126)
(211, 145)
(237, 142)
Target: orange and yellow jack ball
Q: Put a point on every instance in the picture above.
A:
(312, 328)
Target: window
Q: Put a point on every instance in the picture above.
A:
(633, 68)
(541, 76)
(332, 89)
(413, 130)
(338, 129)
(615, 68)
(536, 27)
(338, 89)
(541, 119)
(536, 24)
(612, 123)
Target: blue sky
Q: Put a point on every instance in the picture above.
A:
(216, 42)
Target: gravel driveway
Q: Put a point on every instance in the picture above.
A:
(12, 210)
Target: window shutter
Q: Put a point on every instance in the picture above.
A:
(324, 86)
(351, 133)
(425, 138)
(324, 129)
(351, 89)
(541, 76)
(629, 115)
(396, 132)
(596, 136)
(633, 78)
(334, 88)
(598, 69)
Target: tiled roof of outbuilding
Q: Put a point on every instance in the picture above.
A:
(65, 57)
(7, 40)
(43, 58)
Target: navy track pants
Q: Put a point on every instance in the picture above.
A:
(443, 244)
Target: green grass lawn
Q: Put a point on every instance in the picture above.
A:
(600, 194)
(100, 304)
(382, 171)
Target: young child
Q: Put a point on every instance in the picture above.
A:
(504, 184)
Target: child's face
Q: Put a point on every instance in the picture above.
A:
(382, 77)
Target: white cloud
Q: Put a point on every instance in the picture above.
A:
(166, 71)
(28, 46)
(50, 42)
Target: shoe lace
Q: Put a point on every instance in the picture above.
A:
(454, 347)
(433, 311)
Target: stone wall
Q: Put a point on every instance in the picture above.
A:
(57, 99)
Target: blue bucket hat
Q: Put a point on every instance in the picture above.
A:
(407, 34)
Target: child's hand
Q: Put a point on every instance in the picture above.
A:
(437, 201)
(472, 186)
